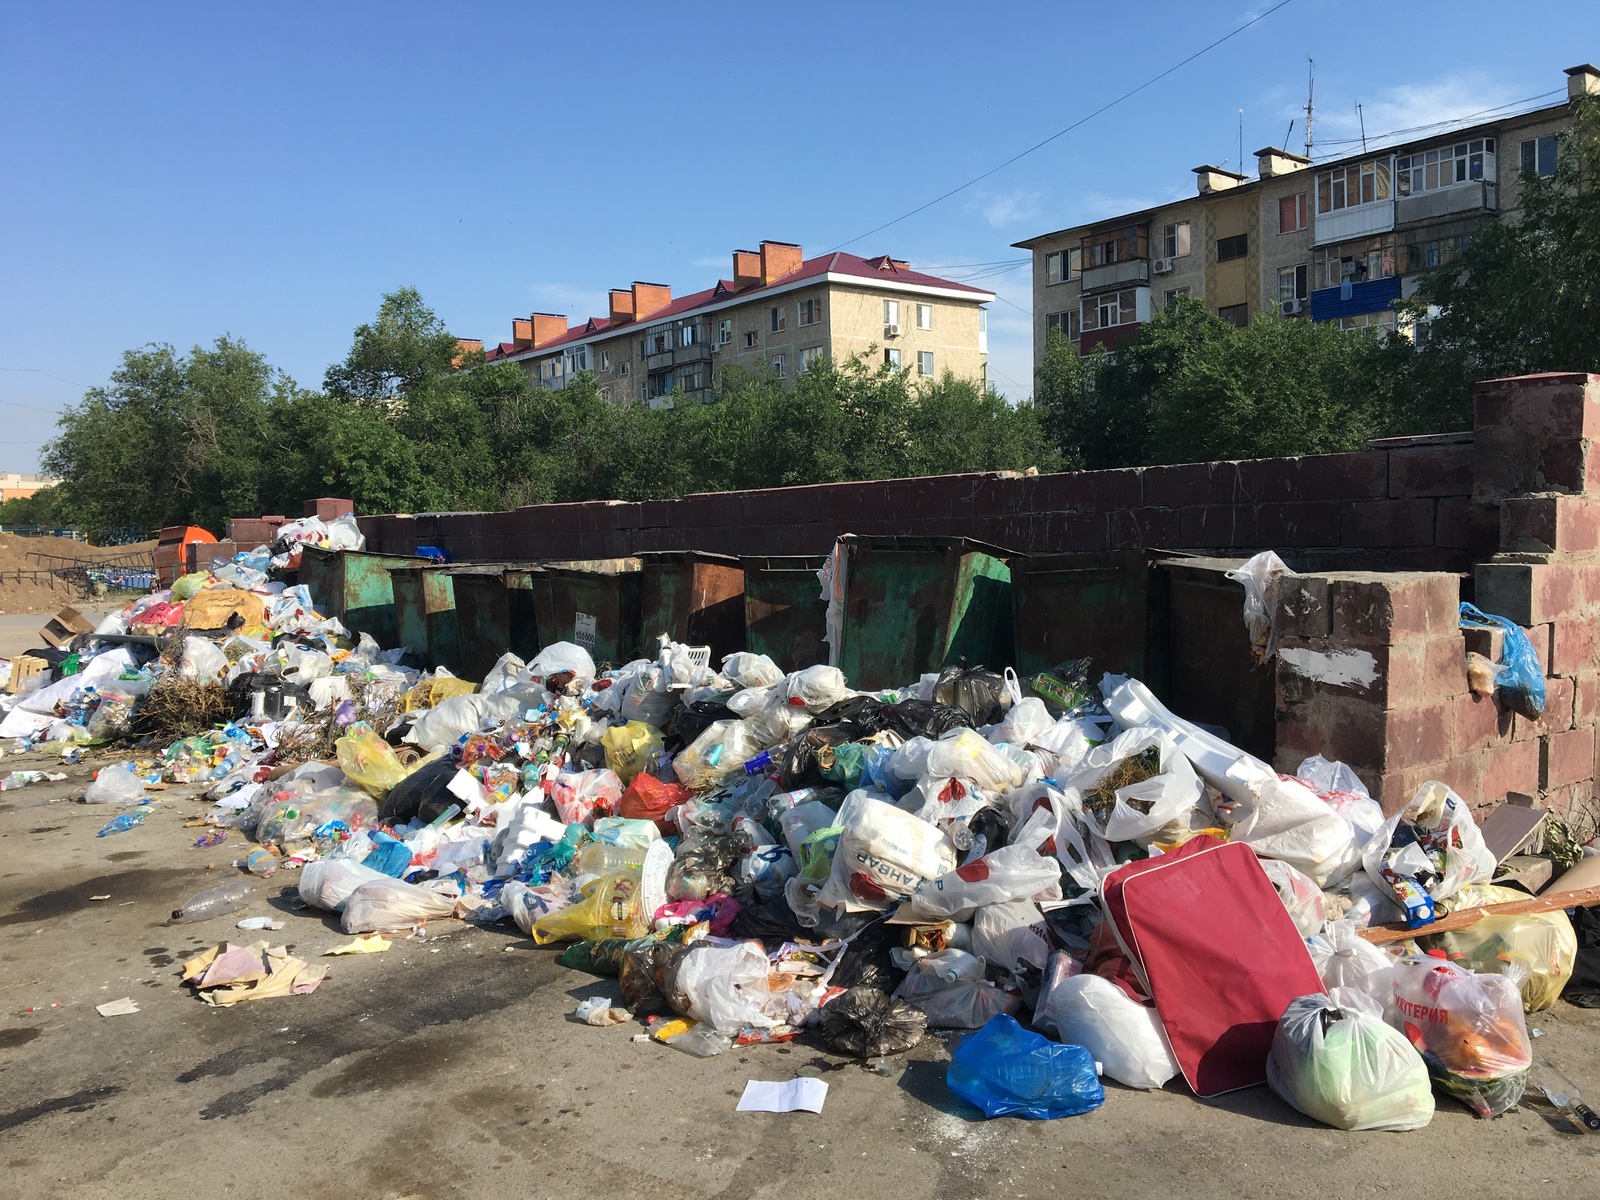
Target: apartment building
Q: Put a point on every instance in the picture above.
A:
(15, 486)
(777, 311)
(1341, 240)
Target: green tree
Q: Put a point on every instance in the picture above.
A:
(404, 347)
(41, 508)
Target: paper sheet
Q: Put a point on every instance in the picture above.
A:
(117, 1008)
(804, 1094)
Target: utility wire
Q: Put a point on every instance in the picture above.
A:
(46, 374)
(1151, 82)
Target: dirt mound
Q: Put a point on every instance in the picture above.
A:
(26, 582)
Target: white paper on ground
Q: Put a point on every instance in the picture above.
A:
(117, 1008)
(790, 1095)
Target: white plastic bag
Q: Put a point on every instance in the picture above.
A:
(1285, 819)
(1342, 790)
(526, 904)
(883, 854)
(1014, 872)
(960, 753)
(1124, 1036)
(1441, 852)
(725, 986)
(721, 749)
(1262, 578)
(751, 670)
(1346, 1068)
(344, 533)
(385, 905)
(203, 661)
(328, 882)
(450, 720)
(1303, 898)
(563, 656)
(1140, 810)
(115, 785)
(1024, 723)
(1469, 1029)
(1010, 935)
(817, 687)
(506, 673)
(1347, 960)
(950, 989)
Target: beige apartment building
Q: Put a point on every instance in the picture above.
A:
(1341, 240)
(778, 311)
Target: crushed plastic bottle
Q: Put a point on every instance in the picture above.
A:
(1564, 1094)
(259, 861)
(123, 823)
(214, 902)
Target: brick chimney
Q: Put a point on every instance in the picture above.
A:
(779, 259)
(547, 327)
(521, 332)
(1582, 80)
(649, 298)
(746, 269)
(465, 348)
(621, 306)
(1272, 162)
(1209, 179)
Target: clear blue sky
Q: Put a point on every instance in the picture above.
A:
(175, 172)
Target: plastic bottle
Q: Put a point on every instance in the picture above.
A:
(214, 902)
(125, 822)
(602, 858)
(1564, 1094)
(260, 861)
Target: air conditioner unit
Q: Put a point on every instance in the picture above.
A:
(891, 331)
(1291, 308)
(1162, 266)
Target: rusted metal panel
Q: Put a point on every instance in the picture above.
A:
(784, 613)
(697, 598)
(494, 613)
(1094, 605)
(425, 614)
(596, 603)
(354, 586)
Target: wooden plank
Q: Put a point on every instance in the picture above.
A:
(1549, 902)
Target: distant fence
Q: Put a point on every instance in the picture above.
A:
(133, 571)
(68, 531)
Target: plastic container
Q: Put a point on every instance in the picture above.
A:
(261, 862)
(124, 822)
(215, 902)
(601, 858)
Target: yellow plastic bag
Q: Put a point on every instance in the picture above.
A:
(369, 762)
(611, 908)
(186, 586)
(436, 691)
(629, 747)
(1545, 943)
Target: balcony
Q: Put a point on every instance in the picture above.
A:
(1358, 220)
(1118, 274)
(679, 356)
(1475, 196)
(1367, 296)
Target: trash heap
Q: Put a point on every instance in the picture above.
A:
(1099, 887)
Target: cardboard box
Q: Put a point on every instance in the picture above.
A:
(64, 626)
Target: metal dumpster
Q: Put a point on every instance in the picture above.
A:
(596, 603)
(495, 613)
(425, 614)
(915, 604)
(1094, 606)
(784, 613)
(697, 598)
(354, 585)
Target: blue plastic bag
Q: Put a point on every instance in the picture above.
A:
(1009, 1072)
(389, 855)
(1522, 680)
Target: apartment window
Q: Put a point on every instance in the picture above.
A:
(810, 312)
(1292, 283)
(577, 359)
(1377, 320)
(983, 320)
(925, 362)
(1237, 315)
(658, 341)
(686, 335)
(605, 395)
(622, 367)
(778, 318)
(924, 316)
(1430, 170)
(1229, 248)
(891, 312)
(809, 355)
(750, 340)
(1075, 263)
(1175, 240)
(1538, 156)
(1108, 309)
(1063, 265)
(605, 360)
(891, 356)
(1346, 187)
(724, 332)
(778, 367)
(1172, 295)
(1065, 323)
(1292, 213)
(691, 378)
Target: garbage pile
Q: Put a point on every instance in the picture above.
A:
(751, 853)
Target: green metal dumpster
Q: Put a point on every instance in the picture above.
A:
(1094, 605)
(915, 604)
(784, 613)
(425, 614)
(697, 598)
(495, 612)
(596, 603)
(354, 585)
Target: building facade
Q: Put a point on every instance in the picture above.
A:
(1341, 240)
(777, 312)
(14, 486)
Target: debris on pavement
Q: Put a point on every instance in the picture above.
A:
(804, 1094)
(117, 1008)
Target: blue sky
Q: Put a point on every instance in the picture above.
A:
(175, 172)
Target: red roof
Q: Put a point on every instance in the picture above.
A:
(837, 263)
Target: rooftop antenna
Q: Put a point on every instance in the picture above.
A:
(1288, 132)
(1362, 118)
(1311, 83)
(1241, 141)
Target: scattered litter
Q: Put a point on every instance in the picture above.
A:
(116, 1008)
(259, 923)
(789, 1095)
(227, 974)
(360, 945)
(597, 1010)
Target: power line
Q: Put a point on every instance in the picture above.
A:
(1151, 82)
(47, 375)
(1439, 125)
(30, 407)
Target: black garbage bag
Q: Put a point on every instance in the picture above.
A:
(423, 793)
(866, 961)
(976, 691)
(1583, 989)
(865, 711)
(990, 828)
(1069, 688)
(688, 722)
(924, 718)
(799, 767)
(867, 1023)
(702, 868)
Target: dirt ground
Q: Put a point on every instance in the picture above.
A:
(25, 584)
(451, 1066)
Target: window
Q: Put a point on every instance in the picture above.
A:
(750, 340)
(686, 335)
(810, 312)
(1292, 283)
(1237, 315)
(605, 360)
(1108, 309)
(891, 312)
(891, 356)
(1346, 187)
(577, 359)
(1229, 248)
(809, 355)
(691, 378)
(1377, 320)
(925, 362)
(1064, 322)
(777, 366)
(778, 318)
(658, 341)
(924, 316)
(605, 395)
(1063, 265)
(983, 320)
(724, 332)
(1292, 213)
(622, 367)
(1539, 156)
(1430, 170)
(1175, 240)
(1172, 294)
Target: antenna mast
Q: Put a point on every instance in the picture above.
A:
(1362, 118)
(1241, 141)
(1311, 83)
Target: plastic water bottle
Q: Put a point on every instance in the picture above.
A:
(260, 861)
(124, 822)
(1564, 1094)
(215, 901)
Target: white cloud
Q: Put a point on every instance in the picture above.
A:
(1336, 126)
(1009, 208)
